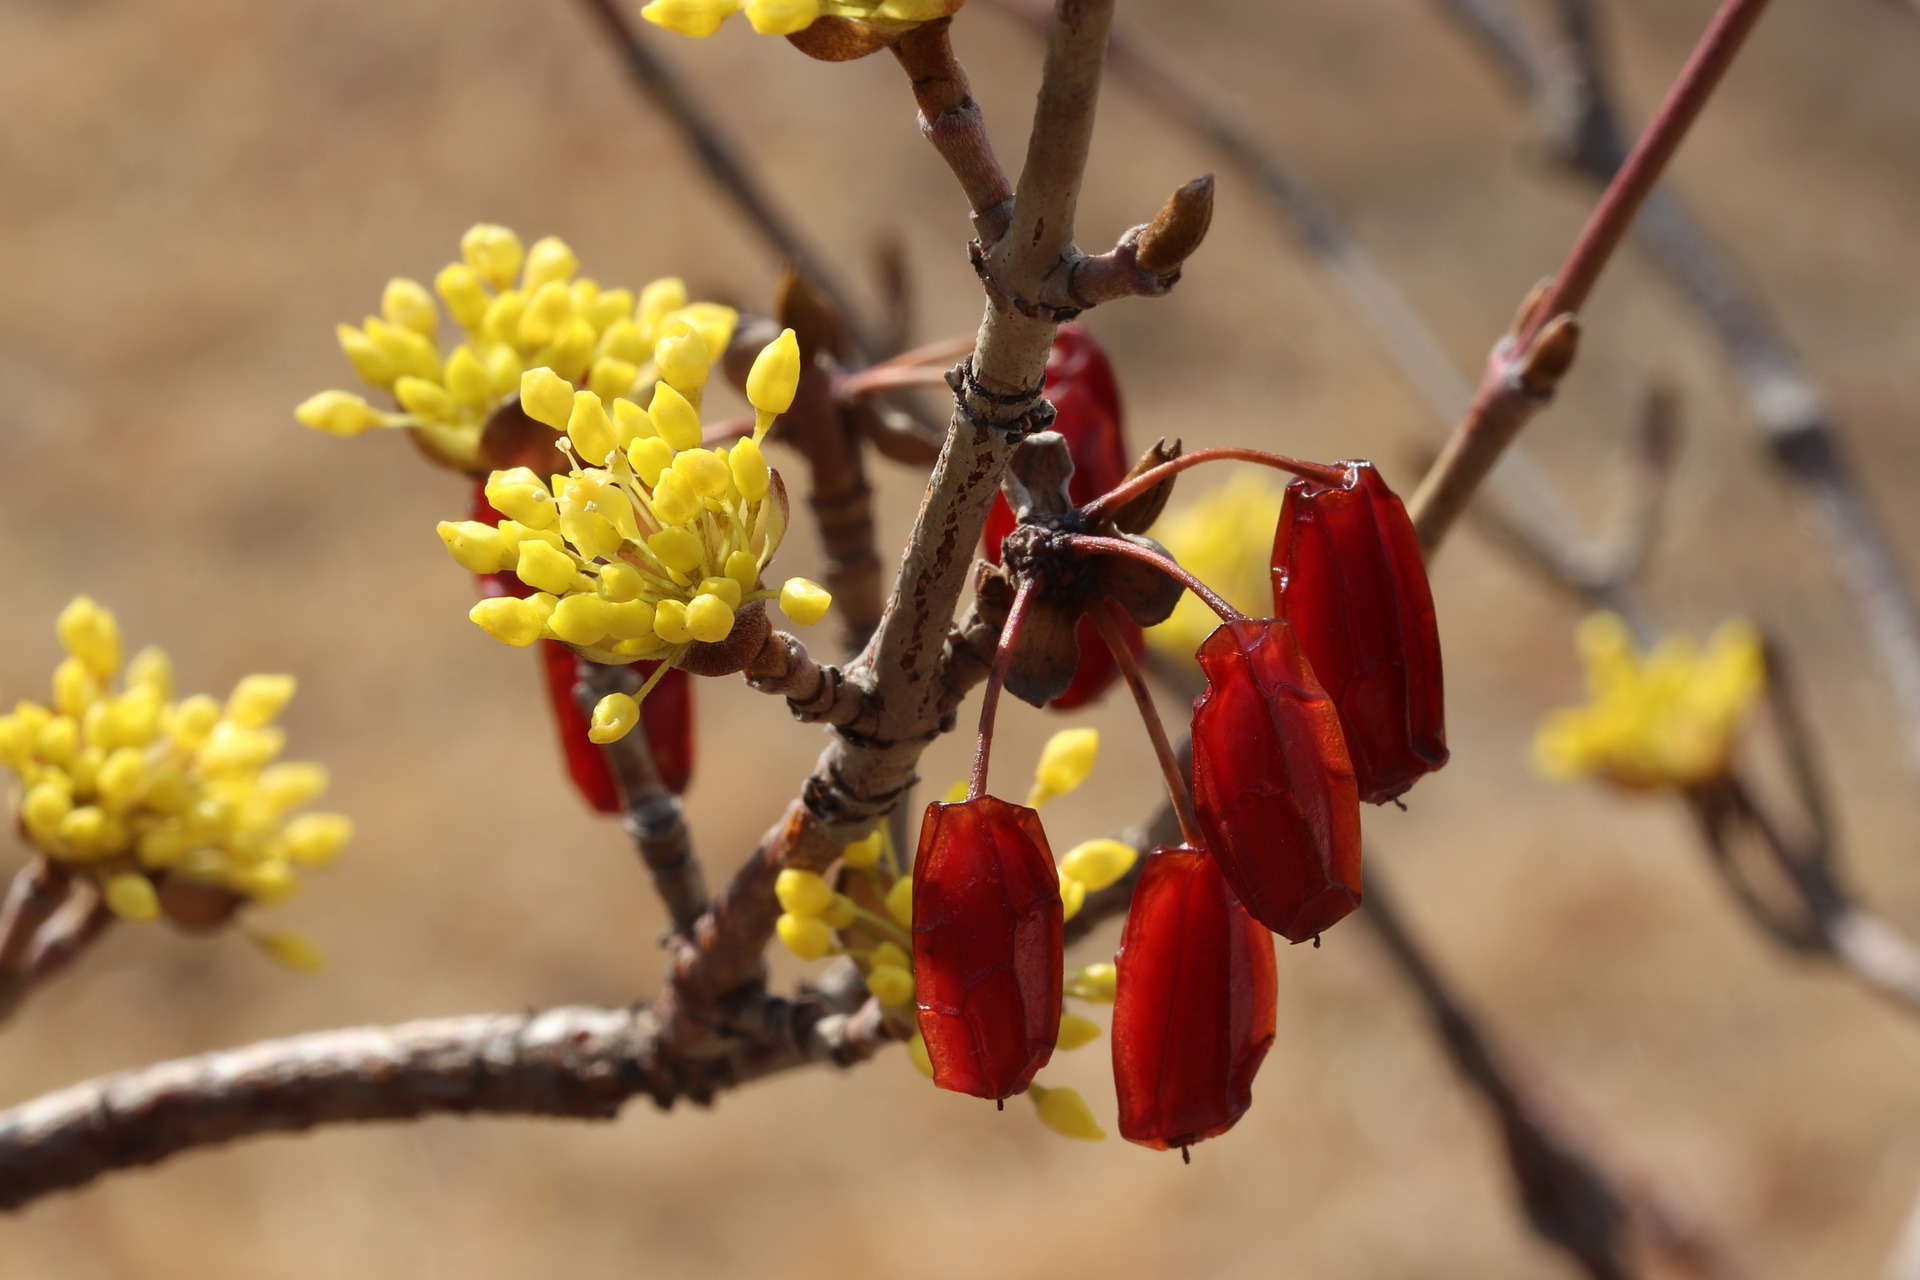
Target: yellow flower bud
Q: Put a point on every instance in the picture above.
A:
(805, 936)
(545, 568)
(705, 472)
(512, 621)
(1094, 983)
(258, 699)
(674, 501)
(74, 687)
(239, 748)
(900, 902)
(658, 299)
(338, 413)
(548, 312)
(1066, 1113)
(407, 303)
(293, 951)
(502, 322)
(1065, 762)
(43, 808)
(408, 352)
(609, 307)
(614, 717)
(548, 260)
(679, 549)
(580, 619)
(468, 380)
(423, 399)
(649, 456)
(269, 881)
(590, 429)
(620, 340)
(192, 720)
(90, 634)
(670, 622)
(476, 547)
(630, 620)
(151, 669)
(493, 252)
(782, 17)
(610, 378)
(518, 494)
(121, 776)
(841, 912)
(751, 475)
(1073, 896)
(709, 618)
(677, 421)
(864, 853)
(744, 569)
(546, 397)
(290, 785)
(890, 984)
(680, 354)
(711, 321)
(316, 839)
(726, 588)
(459, 287)
(802, 892)
(504, 367)
(368, 360)
(775, 375)
(804, 601)
(1076, 1031)
(131, 897)
(618, 581)
(1098, 863)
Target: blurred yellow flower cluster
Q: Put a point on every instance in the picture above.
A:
(651, 541)
(169, 807)
(1669, 718)
(785, 17)
(519, 308)
(819, 920)
(1226, 540)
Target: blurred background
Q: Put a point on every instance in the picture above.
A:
(195, 191)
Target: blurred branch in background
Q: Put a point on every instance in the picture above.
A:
(1579, 125)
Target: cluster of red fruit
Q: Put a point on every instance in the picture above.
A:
(1333, 700)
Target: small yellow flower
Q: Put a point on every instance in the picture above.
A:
(1065, 762)
(1669, 718)
(1066, 1113)
(1226, 540)
(701, 18)
(133, 790)
(517, 310)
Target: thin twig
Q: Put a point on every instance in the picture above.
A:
(34, 897)
(721, 157)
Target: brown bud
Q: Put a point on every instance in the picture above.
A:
(751, 631)
(817, 326)
(195, 906)
(1551, 355)
(512, 439)
(1177, 230)
(833, 39)
(1138, 514)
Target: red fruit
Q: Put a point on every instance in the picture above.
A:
(1349, 578)
(1195, 1005)
(1086, 402)
(1272, 783)
(666, 717)
(986, 945)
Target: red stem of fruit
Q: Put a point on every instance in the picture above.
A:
(916, 366)
(1608, 223)
(996, 679)
(1165, 564)
(1147, 479)
(1102, 615)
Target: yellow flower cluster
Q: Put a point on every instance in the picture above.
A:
(651, 542)
(819, 921)
(169, 807)
(519, 308)
(785, 17)
(1225, 540)
(1670, 718)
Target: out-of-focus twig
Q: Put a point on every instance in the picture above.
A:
(1580, 125)
(29, 914)
(722, 159)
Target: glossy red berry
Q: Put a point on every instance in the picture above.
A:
(1349, 578)
(986, 945)
(1194, 1006)
(1086, 401)
(1272, 783)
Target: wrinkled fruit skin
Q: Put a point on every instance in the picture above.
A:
(666, 717)
(1349, 578)
(1086, 401)
(1195, 1005)
(986, 945)
(1272, 783)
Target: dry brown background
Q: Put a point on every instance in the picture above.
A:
(193, 191)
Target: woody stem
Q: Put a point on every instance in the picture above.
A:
(1102, 615)
(996, 680)
(1166, 564)
(1133, 488)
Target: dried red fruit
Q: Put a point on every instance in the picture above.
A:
(1086, 401)
(666, 717)
(986, 945)
(1272, 782)
(1195, 1005)
(1349, 578)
